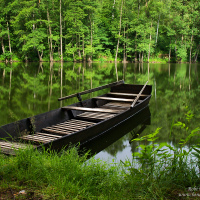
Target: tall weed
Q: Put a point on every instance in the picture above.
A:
(163, 167)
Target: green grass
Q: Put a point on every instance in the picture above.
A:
(64, 175)
(164, 172)
(50, 175)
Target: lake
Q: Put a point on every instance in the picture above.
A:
(27, 89)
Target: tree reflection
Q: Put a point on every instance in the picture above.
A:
(34, 88)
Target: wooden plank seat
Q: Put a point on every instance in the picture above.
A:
(40, 137)
(115, 99)
(126, 94)
(8, 147)
(91, 109)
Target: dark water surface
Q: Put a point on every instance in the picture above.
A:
(30, 89)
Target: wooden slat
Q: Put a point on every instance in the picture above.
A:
(92, 90)
(45, 137)
(63, 126)
(82, 121)
(49, 135)
(40, 137)
(37, 137)
(9, 145)
(35, 140)
(98, 118)
(59, 128)
(94, 116)
(12, 145)
(115, 99)
(71, 126)
(114, 107)
(58, 132)
(90, 109)
(92, 113)
(10, 148)
(126, 94)
(122, 104)
(76, 123)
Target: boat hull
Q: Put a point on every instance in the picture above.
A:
(32, 125)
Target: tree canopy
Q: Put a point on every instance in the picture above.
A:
(74, 30)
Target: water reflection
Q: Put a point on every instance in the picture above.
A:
(28, 89)
(10, 85)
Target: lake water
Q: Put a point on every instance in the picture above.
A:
(30, 89)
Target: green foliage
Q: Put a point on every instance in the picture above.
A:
(6, 56)
(90, 29)
(165, 164)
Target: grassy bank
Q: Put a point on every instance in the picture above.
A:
(162, 172)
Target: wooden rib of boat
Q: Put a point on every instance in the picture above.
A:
(78, 122)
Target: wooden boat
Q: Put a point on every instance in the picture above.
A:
(78, 122)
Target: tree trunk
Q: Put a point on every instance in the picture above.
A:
(157, 30)
(139, 57)
(175, 50)
(61, 48)
(135, 48)
(40, 55)
(78, 45)
(142, 56)
(113, 10)
(169, 52)
(120, 23)
(149, 44)
(9, 43)
(79, 51)
(2, 45)
(126, 41)
(91, 39)
(181, 44)
(191, 48)
(51, 42)
(197, 53)
(139, 8)
(124, 59)
(50, 84)
(61, 82)
(83, 50)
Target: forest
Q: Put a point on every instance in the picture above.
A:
(100, 30)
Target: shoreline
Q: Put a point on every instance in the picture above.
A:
(152, 62)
